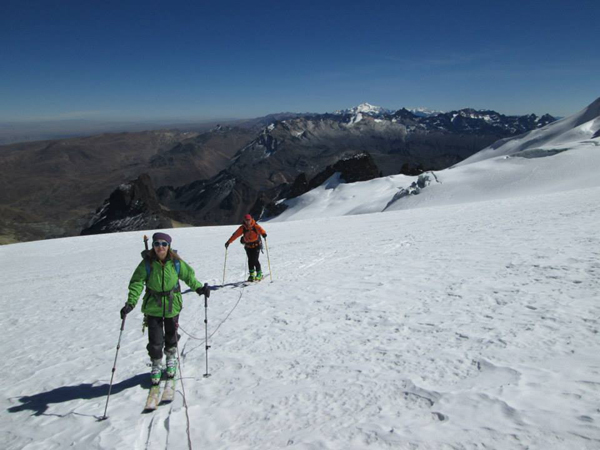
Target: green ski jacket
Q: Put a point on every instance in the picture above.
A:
(163, 296)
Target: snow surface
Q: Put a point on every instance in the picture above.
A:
(464, 317)
(497, 178)
(355, 119)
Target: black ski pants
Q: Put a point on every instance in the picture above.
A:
(253, 254)
(162, 332)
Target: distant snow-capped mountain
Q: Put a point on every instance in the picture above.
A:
(472, 121)
(424, 112)
(364, 108)
(467, 120)
(372, 110)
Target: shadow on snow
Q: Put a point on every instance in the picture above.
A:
(39, 403)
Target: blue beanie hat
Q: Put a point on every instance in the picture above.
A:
(161, 237)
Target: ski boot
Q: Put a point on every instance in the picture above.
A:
(259, 276)
(156, 371)
(171, 362)
(252, 275)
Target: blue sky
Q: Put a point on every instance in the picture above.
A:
(198, 60)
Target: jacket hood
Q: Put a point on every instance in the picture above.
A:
(250, 225)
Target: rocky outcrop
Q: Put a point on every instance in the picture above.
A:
(360, 167)
(132, 206)
(415, 188)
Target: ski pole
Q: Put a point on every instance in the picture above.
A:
(224, 266)
(114, 368)
(206, 375)
(269, 260)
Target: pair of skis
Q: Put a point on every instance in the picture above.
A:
(167, 387)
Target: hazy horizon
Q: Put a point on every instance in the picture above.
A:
(17, 131)
(178, 119)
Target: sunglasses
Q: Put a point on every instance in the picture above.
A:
(159, 243)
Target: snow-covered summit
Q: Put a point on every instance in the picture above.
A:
(424, 112)
(364, 108)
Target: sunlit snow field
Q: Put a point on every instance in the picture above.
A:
(447, 327)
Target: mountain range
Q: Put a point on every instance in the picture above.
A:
(51, 188)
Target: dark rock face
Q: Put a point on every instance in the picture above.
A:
(360, 167)
(132, 206)
(210, 202)
(412, 169)
(299, 186)
(405, 115)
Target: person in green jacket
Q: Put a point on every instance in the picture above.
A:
(160, 271)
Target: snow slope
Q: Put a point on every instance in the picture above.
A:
(456, 327)
(494, 178)
(573, 131)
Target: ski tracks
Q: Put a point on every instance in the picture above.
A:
(155, 429)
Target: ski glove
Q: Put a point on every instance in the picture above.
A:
(126, 310)
(204, 290)
(226, 244)
(265, 235)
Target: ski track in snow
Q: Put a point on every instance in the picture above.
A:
(467, 326)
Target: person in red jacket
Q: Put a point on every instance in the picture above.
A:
(251, 233)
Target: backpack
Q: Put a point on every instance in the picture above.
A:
(259, 242)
